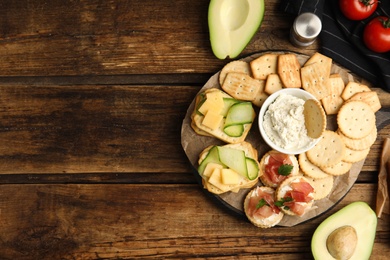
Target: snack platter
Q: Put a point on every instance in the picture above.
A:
(194, 143)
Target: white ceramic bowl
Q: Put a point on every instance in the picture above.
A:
(300, 93)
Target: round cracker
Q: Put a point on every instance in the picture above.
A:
(310, 170)
(353, 156)
(338, 169)
(315, 118)
(264, 222)
(234, 66)
(322, 187)
(356, 119)
(328, 151)
(360, 144)
(263, 177)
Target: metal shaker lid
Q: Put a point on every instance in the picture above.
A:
(306, 27)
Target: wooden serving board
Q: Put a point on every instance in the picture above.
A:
(193, 144)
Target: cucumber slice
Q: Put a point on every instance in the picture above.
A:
(234, 130)
(202, 97)
(253, 168)
(212, 156)
(228, 103)
(234, 159)
(239, 113)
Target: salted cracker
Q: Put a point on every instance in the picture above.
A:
(310, 170)
(339, 169)
(352, 88)
(238, 66)
(322, 187)
(369, 97)
(242, 86)
(315, 79)
(333, 101)
(359, 144)
(264, 65)
(315, 118)
(289, 70)
(356, 119)
(353, 156)
(328, 151)
(273, 84)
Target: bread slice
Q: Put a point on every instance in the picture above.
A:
(249, 151)
(257, 220)
(199, 128)
(284, 187)
(264, 177)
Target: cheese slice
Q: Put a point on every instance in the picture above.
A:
(212, 119)
(210, 167)
(229, 176)
(215, 179)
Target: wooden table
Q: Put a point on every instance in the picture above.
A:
(92, 97)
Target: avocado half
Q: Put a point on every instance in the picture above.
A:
(358, 215)
(232, 24)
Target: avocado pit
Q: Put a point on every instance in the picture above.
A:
(341, 243)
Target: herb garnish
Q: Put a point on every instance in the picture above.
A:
(285, 169)
(261, 203)
(280, 203)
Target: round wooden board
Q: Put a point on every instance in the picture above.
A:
(193, 144)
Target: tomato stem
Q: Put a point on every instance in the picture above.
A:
(385, 22)
(367, 2)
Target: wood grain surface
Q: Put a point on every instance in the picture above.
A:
(92, 98)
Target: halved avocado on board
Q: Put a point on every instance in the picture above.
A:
(232, 24)
(352, 227)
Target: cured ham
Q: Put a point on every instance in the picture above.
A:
(274, 162)
(261, 204)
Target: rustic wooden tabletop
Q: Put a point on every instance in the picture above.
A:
(92, 98)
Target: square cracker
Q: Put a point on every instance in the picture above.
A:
(322, 59)
(260, 97)
(315, 79)
(273, 84)
(352, 88)
(242, 86)
(289, 70)
(264, 65)
(333, 101)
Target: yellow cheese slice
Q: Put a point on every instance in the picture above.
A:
(229, 176)
(215, 179)
(212, 119)
(208, 170)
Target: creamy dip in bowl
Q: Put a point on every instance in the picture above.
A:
(282, 123)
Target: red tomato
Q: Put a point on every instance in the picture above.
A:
(358, 9)
(376, 35)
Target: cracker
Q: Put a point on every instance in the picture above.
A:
(356, 119)
(338, 169)
(310, 170)
(353, 156)
(289, 70)
(352, 88)
(317, 57)
(369, 97)
(242, 86)
(273, 84)
(238, 66)
(315, 118)
(264, 65)
(314, 79)
(260, 97)
(359, 144)
(333, 101)
(322, 187)
(328, 151)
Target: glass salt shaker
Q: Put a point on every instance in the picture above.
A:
(306, 28)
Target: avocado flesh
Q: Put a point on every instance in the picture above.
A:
(358, 215)
(232, 24)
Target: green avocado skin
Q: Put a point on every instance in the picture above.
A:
(360, 216)
(232, 25)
